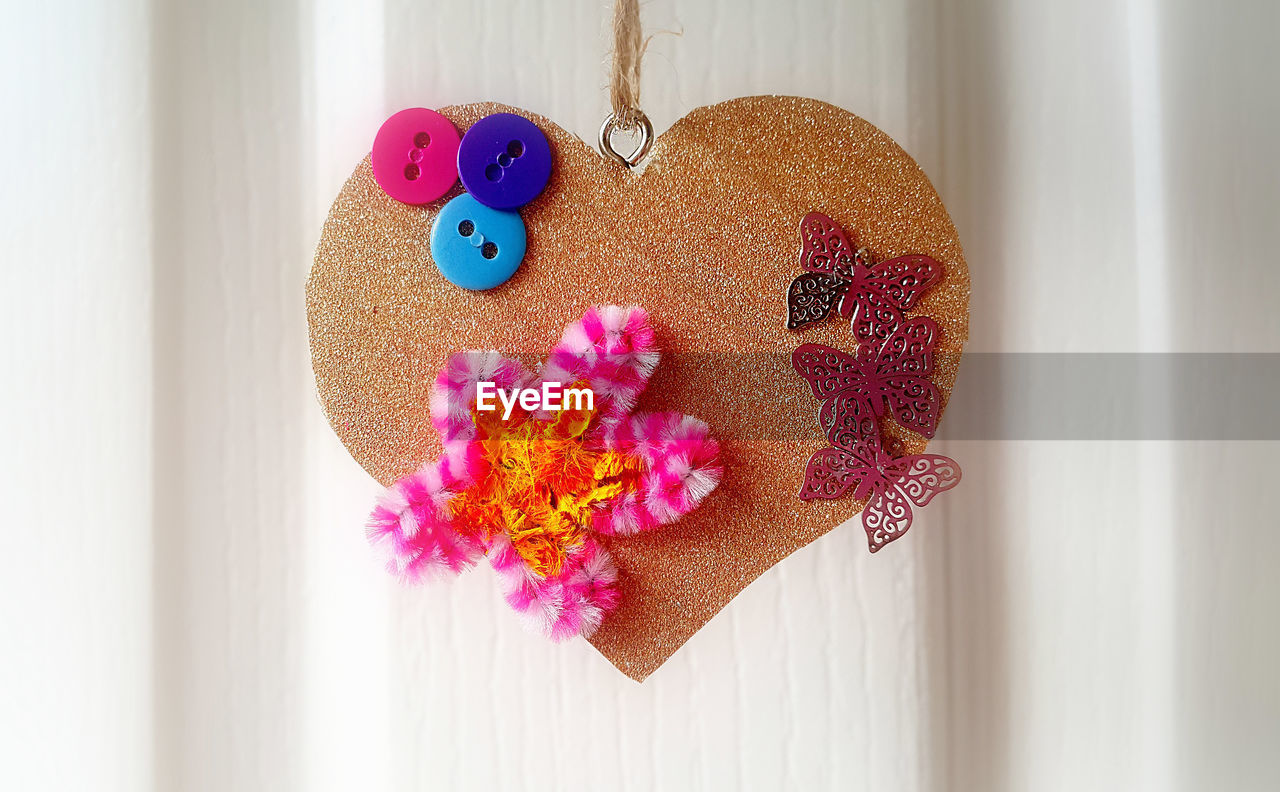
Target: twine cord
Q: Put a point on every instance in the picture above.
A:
(629, 45)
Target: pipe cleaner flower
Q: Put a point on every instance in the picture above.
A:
(530, 489)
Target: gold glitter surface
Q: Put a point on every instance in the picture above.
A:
(705, 239)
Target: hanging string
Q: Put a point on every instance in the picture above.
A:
(629, 45)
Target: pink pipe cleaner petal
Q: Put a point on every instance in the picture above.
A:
(684, 463)
(454, 396)
(586, 590)
(622, 515)
(411, 526)
(527, 593)
(682, 468)
(573, 602)
(611, 348)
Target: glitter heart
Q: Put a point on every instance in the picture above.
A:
(704, 239)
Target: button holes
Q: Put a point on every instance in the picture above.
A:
(504, 160)
(412, 172)
(493, 172)
(515, 148)
(489, 250)
(415, 155)
(421, 140)
(466, 228)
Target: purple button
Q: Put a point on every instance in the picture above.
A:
(504, 161)
(415, 156)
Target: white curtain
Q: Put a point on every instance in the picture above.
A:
(188, 602)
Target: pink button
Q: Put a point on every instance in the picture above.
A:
(415, 156)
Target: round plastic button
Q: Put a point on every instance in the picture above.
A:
(504, 161)
(474, 246)
(415, 156)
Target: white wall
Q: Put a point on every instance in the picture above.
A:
(188, 600)
(76, 391)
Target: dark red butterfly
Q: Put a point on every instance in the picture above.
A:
(838, 277)
(892, 486)
(855, 390)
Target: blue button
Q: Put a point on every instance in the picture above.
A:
(474, 246)
(504, 161)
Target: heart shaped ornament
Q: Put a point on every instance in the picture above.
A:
(705, 240)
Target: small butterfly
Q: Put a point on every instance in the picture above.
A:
(891, 485)
(872, 296)
(855, 389)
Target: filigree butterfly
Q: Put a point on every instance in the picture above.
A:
(890, 485)
(856, 389)
(838, 277)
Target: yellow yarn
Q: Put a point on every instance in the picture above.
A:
(540, 484)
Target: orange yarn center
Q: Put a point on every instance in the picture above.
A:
(540, 484)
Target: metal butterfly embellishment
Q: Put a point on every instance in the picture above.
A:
(890, 371)
(856, 389)
(845, 280)
(891, 485)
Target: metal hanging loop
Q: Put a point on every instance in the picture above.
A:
(642, 148)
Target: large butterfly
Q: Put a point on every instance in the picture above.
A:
(856, 389)
(891, 486)
(872, 296)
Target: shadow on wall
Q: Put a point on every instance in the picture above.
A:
(1222, 187)
(966, 618)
